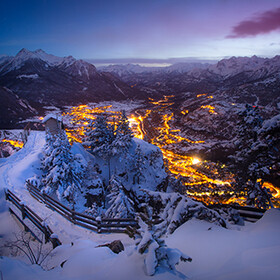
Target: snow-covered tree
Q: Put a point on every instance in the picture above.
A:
(120, 205)
(123, 136)
(63, 171)
(258, 195)
(156, 252)
(99, 134)
(257, 151)
(46, 162)
(137, 166)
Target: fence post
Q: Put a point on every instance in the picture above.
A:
(98, 220)
(43, 196)
(22, 209)
(55, 242)
(6, 191)
(46, 233)
(73, 217)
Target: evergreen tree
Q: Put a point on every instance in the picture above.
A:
(257, 151)
(120, 205)
(123, 136)
(99, 134)
(46, 162)
(258, 195)
(63, 171)
(137, 166)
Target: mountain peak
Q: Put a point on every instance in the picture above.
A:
(23, 50)
(24, 53)
(40, 51)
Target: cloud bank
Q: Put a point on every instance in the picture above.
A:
(261, 24)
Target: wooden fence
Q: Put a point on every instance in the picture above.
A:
(26, 212)
(99, 225)
(248, 213)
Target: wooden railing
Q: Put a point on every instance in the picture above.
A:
(99, 225)
(248, 213)
(27, 213)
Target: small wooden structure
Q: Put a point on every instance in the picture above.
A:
(53, 123)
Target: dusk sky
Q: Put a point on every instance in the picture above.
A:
(153, 29)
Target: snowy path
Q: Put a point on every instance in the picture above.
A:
(24, 164)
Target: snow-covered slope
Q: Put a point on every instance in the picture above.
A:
(249, 252)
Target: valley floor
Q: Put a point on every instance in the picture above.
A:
(248, 252)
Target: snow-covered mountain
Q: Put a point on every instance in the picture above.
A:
(13, 108)
(237, 75)
(44, 80)
(123, 70)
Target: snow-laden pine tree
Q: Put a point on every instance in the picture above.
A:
(123, 136)
(119, 204)
(99, 137)
(258, 195)
(137, 166)
(99, 134)
(63, 172)
(46, 162)
(157, 253)
(257, 152)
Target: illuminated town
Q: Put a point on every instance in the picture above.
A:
(204, 181)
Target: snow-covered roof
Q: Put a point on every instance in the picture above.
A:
(52, 116)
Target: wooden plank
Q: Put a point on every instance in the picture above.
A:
(85, 216)
(87, 226)
(13, 195)
(17, 204)
(35, 222)
(63, 214)
(26, 228)
(36, 196)
(114, 230)
(115, 225)
(252, 220)
(54, 204)
(250, 215)
(253, 209)
(33, 217)
(94, 223)
(34, 190)
(237, 207)
(34, 214)
(118, 220)
(109, 224)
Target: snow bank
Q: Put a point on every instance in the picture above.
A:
(218, 253)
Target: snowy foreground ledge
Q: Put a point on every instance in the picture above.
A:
(249, 252)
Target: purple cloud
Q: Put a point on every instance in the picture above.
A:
(261, 24)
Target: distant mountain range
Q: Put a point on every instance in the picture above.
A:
(241, 76)
(40, 79)
(34, 79)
